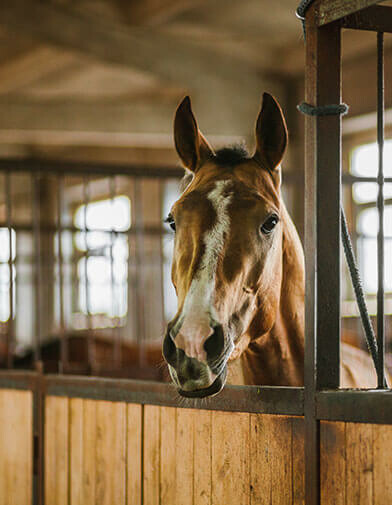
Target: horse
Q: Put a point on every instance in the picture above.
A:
(238, 267)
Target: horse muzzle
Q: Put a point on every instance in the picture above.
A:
(193, 378)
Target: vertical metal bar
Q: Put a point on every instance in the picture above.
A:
(113, 236)
(10, 325)
(139, 274)
(322, 236)
(380, 207)
(36, 216)
(64, 341)
(86, 201)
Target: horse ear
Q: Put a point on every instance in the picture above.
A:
(192, 147)
(271, 135)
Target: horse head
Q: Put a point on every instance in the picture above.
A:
(227, 262)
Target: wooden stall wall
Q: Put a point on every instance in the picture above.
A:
(16, 447)
(99, 452)
(356, 463)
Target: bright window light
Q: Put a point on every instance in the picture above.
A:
(104, 289)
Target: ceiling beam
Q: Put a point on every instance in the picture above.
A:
(28, 67)
(127, 120)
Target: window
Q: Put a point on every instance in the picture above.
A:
(102, 270)
(5, 284)
(364, 163)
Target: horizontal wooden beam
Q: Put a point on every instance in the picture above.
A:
(133, 122)
(376, 19)
(330, 10)
(136, 117)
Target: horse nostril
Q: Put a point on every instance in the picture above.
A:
(214, 344)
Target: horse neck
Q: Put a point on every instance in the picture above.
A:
(278, 357)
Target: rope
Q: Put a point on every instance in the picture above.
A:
(326, 110)
(323, 110)
(301, 11)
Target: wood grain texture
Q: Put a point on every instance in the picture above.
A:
(134, 454)
(184, 456)
(271, 460)
(76, 453)
(16, 453)
(382, 464)
(168, 455)
(82, 452)
(332, 463)
(230, 457)
(151, 455)
(298, 455)
(202, 458)
(110, 453)
(56, 450)
(359, 463)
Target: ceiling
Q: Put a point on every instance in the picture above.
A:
(116, 69)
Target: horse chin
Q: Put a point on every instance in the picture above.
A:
(211, 390)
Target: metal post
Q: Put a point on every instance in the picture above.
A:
(36, 216)
(90, 343)
(380, 207)
(322, 236)
(139, 274)
(64, 341)
(10, 325)
(114, 286)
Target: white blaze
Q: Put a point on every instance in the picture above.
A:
(198, 306)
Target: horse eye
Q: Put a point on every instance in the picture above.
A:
(270, 224)
(170, 221)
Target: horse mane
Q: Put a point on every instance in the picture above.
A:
(225, 157)
(231, 156)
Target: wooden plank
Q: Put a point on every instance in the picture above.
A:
(359, 463)
(298, 456)
(202, 458)
(230, 458)
(110, 453)
(151, 455)
(89, 452)
(168, 455)
(382, 464)
(16, 453)
(271, 480)
(56, 450)
(260, 456)
(134, 454)
(184, 456)
(332, 463)
(76, 455)
(376, 18)
(331, 10)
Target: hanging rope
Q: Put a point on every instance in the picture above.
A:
(371, 341)
(301, 11)
(323, 110)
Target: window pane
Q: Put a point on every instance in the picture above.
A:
(368, 259)
(106, 215)
(365, 192)
(367, 223)
(5, 244)
(364, 160)
(100, 286)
